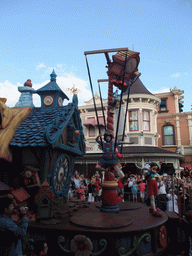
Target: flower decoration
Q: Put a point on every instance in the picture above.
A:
(81, 245)
(163, 236)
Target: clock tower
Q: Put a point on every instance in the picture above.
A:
(51, 94)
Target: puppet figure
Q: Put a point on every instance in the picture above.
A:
(109, 157)
(151, 172)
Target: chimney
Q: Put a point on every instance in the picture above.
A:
(25, 99)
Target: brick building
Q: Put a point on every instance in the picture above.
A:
(175, 126)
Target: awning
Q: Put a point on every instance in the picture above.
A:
(93, 121)
(89, 121)
(101, 121)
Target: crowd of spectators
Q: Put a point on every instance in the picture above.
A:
(174, 193)
(84, 188)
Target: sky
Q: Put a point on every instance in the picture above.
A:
(39, 36)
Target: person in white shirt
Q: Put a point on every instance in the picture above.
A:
(130, 184)
(172, 203)
(162, 194)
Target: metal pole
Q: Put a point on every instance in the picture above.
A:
(173, 194)
(178, 198)
(184, 199)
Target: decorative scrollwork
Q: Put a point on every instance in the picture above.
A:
(103, 243)
(136, 244)
(81, 242)
(61, 239)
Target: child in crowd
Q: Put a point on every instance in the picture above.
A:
(141, 187)
(97, 188)
(72, 188)
(134, 191)
(120, 185)
(120, 197)
(91, 191)
(97, 175)
(80, 192)
(99, 194)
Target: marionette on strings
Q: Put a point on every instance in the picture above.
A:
(151, 172)
(110, 154)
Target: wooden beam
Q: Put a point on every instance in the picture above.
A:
(102, 80)
(106, 51)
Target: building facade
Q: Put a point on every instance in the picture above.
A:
(175, 126)
(143, 133)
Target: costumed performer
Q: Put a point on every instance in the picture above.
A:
(151, 172)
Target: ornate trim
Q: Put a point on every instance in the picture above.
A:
(102, 242)
(54, 131)
(136, 244)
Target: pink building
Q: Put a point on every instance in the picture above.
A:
(175, 126)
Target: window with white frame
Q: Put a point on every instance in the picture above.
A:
(168, 135)
(146, 120)
(133, 120)
(163, 105)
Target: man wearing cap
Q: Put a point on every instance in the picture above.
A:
(11, 233)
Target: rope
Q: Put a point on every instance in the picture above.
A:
(125, 120)
(102, 105)
(93, 98)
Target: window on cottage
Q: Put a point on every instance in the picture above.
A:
(168, 135)
(91, 131)
(163, 105)
(146, 120)
(45, 201)
(133, 120)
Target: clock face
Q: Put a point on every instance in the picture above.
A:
(48, 100)
(60, 101)
(131, 65)
(60, 173)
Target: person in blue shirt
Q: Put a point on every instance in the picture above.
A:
(134, 191)
(11, 233)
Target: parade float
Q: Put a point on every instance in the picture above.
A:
(38, 151)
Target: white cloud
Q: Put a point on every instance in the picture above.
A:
(176, 75)
(41, 65)
(161, 90)
(10, 91)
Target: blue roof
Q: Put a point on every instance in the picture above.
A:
(52, 86)
(32, 131)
